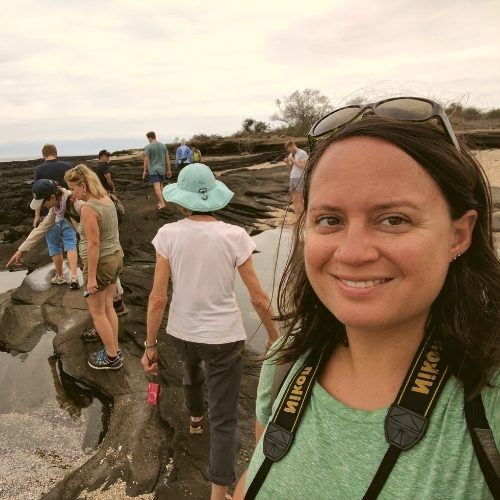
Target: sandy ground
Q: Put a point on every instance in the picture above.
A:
(38, 456)
(116, 491)
(490, 160)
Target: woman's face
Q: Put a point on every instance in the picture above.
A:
(379, 237)
(78, 190)
(51, 202)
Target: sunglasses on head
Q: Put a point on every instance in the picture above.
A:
(408, 109)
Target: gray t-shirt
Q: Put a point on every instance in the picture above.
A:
(296, 172)
(337, 450)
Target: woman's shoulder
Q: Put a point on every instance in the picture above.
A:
(491, 401)
(231, 230)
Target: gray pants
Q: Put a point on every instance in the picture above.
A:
(219, 366)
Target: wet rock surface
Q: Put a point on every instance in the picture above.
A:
(148, 449)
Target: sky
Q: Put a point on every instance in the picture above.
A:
(88, 74)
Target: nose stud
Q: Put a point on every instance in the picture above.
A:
(338, 250)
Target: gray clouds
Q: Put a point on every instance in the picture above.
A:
(116, 68)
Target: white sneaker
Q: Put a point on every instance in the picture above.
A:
(58, 280)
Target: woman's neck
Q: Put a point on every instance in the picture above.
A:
(367, 373)
(202, 218)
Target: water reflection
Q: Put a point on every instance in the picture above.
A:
(34, 383)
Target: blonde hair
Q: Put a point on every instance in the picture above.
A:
(82, 174)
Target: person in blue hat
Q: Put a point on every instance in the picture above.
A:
(201, 255)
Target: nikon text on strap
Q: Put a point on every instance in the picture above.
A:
(405, 423)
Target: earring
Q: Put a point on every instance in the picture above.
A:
(456, 256)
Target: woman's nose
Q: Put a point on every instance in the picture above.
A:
(356, 246)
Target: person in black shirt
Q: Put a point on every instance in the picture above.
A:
(52, 169)
(103, 172)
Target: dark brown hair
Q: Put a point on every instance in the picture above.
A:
(49, 150)
(466, 313)
(151, 135)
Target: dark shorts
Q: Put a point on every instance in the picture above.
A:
(109, 268)
(296, 184)
(153, 179)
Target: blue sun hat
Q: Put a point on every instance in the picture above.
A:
(197, 190)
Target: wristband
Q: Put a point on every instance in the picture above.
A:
(150, 346)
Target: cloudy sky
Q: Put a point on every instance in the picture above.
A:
(87, 74)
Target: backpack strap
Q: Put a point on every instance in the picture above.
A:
(484, 444)
(71, 212)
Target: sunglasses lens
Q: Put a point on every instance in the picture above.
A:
(334, 120)
(405, 109)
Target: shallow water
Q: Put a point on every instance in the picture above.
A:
(11, 279)
(269, 261)
(34, 382)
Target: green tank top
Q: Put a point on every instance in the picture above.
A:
(109, 237)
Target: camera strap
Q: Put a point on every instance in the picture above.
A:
(405, 423)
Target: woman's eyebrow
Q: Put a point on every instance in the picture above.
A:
(378, 206)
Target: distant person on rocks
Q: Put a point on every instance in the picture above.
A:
(296, 160)
(57, 227)
(196, 154)
(204, 322)
(102, 257)
(183, 155)
(51, 168)
(103, 172)
(155, 160)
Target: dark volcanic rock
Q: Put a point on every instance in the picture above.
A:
(149, 449)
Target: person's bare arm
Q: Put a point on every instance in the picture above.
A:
(37, 218)
(239, 492)
(169, 168)
(90, 221)
(259, 299)
(156, 309)
(146, 166)
(110, 181)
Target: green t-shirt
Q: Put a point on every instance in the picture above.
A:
(156, 152)
(337, 450)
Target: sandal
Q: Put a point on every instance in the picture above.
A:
(90, 335)
(195, 427)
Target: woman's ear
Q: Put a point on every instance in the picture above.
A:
(462, 232)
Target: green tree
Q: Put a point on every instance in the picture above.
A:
(301, 109)
(247, 125)
(260, 127)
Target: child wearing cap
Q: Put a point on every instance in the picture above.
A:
(57, 227)
(201, 255)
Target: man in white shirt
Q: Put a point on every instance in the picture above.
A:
(296, 160)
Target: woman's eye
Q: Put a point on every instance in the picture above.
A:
(328, 221)
(394, 220)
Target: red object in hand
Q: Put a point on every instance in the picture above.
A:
(153, 394)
